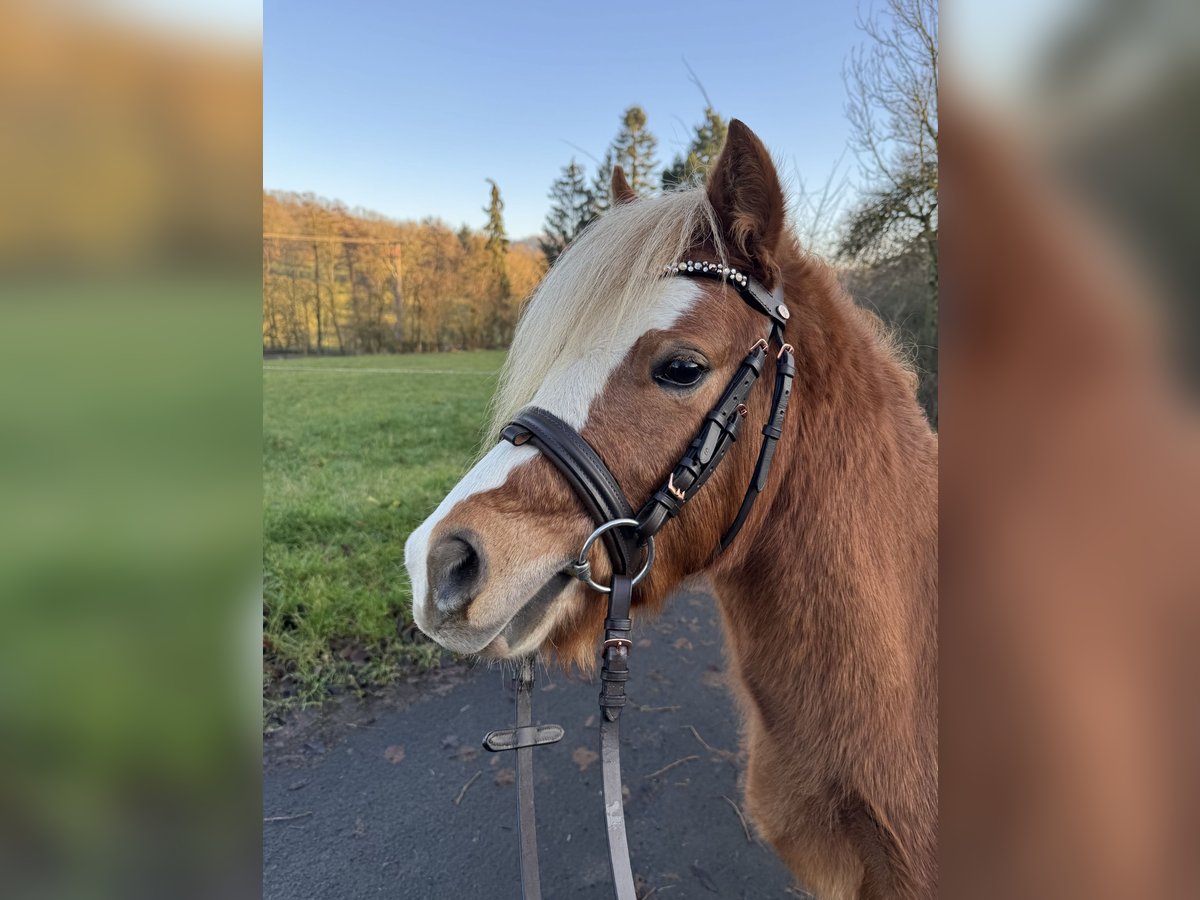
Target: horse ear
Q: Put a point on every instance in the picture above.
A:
(743, 188)
(621, 191)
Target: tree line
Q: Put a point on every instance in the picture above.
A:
(337, 280)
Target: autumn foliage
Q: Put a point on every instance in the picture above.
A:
(337, 280)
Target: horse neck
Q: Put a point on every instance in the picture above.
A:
(839, 557)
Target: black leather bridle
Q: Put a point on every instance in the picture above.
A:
(629, 539)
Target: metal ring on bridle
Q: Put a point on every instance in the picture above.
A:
(582, 569)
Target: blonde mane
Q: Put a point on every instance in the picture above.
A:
(610, 270)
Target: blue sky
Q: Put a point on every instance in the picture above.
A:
(406, 108)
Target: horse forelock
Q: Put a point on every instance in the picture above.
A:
(608, 279)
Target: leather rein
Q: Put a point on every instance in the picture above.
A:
(628, 538)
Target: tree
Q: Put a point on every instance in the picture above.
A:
(633, 150)
(893, 112)
(602, 184)
(572, 207)
(526, 266)
(499, 322)
(706, 144)
(497, 238)
(891, 235)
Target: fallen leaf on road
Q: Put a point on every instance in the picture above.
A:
(583, 757)
(394, 754)
(682, 644)
(466, 753)
(504, 777)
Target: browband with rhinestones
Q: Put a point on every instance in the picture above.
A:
(769, 303)
(707, 268)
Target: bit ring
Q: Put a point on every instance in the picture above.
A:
(582, 569)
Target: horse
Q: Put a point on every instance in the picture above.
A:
(828, 595)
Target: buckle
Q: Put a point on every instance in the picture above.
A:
(674, 491)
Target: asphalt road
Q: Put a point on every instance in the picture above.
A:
(396, 798)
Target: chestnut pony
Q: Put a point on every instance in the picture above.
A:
(828, 596)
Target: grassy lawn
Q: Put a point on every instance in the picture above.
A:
(356, 452)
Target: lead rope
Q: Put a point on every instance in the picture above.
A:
(613, 675)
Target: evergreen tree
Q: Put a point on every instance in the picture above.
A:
(497, 238)
(602, 184)
(703, 150)
(571, 209)
(633, 150)
(500, 320)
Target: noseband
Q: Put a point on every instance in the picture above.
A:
(629, 540)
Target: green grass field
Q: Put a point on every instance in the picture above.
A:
(356, 452)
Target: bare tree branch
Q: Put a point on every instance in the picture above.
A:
(889, 241)
(891, 105)
(815, 212)
(695, 79)
(579, 149)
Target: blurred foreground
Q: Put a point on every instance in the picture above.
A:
(129, 463)
(1071, 457)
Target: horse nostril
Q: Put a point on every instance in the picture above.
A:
(456, 570)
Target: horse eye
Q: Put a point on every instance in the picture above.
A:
(679, 372)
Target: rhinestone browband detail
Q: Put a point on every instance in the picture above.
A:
(707, 267)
